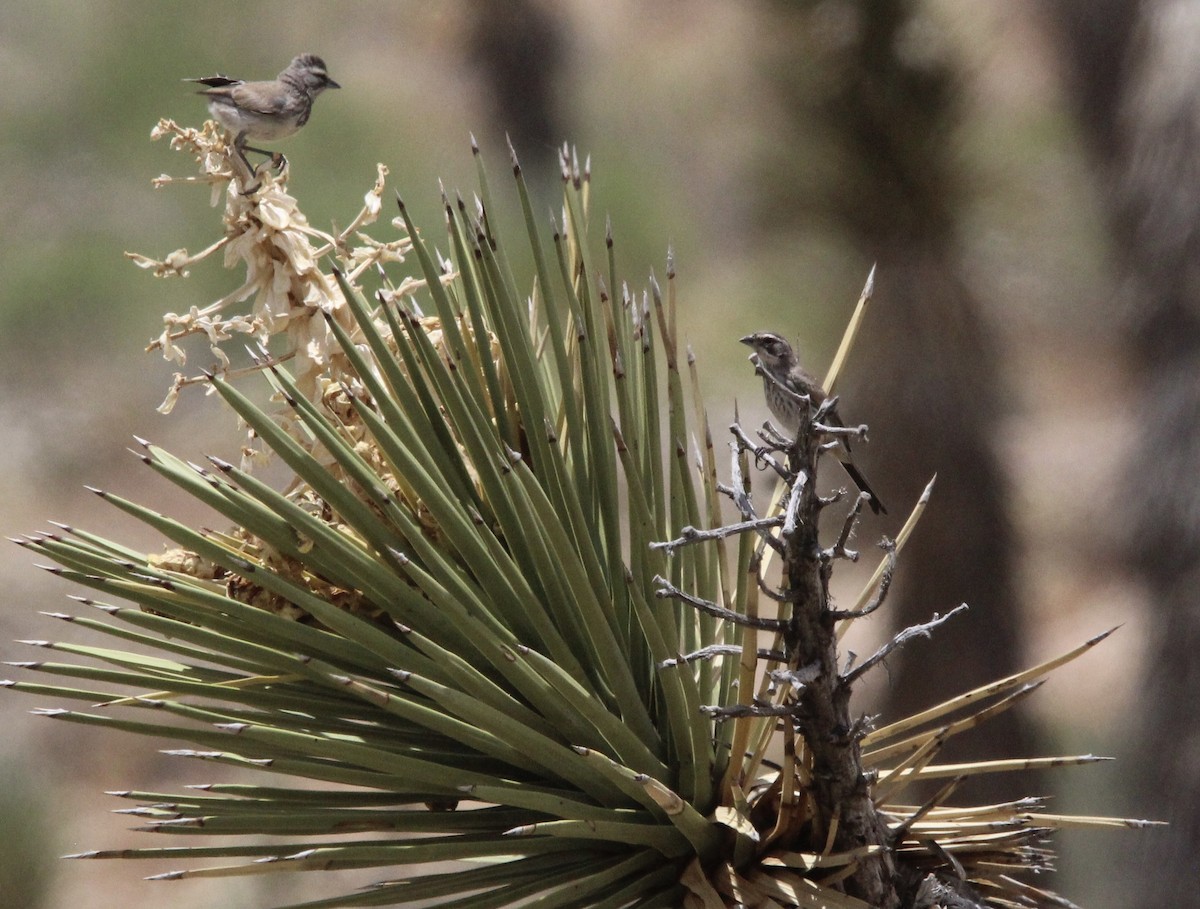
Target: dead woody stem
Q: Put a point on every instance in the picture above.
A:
(841, 801)
(825, 795)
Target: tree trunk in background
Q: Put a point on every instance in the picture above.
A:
(517, 45)
(1135, 79)
(865, 79)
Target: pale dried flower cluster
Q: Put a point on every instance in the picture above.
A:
(266, 233)
(289, 298)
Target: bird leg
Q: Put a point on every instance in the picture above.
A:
(278, 161)
(251, 172)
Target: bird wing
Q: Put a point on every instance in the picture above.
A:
(250, 96)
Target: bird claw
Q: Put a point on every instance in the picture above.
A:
(277, 160)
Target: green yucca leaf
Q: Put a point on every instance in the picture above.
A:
(375, 648)
(558, 321)
(595, 464)
(613, 733)
(457, 635)
(499, 650)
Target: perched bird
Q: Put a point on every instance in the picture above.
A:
(783, 382)
(266, 110)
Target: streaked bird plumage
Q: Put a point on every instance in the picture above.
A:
(784, 382)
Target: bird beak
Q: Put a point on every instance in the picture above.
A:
(746, 339)
(329, 83)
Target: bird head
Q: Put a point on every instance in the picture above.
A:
(309, 70)
(772, 352)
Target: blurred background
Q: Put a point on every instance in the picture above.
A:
(1022, 172)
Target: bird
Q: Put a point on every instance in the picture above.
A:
(784, 381)
(266, 111)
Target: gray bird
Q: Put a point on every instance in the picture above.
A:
(266, 111)
(783, 381)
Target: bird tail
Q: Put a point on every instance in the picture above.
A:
(861, 482)
(217, 81)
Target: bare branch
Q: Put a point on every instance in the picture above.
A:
(774, 439)
(907, 634)
(667, 590)
(793, 506)
(838, 550)
(779, 596)
(796, 678)
(835, 430)
(737, 711)
(761, 452)
(885, 582)
(689, 535)
(716, 650)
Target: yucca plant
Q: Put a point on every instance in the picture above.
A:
(499, 617)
